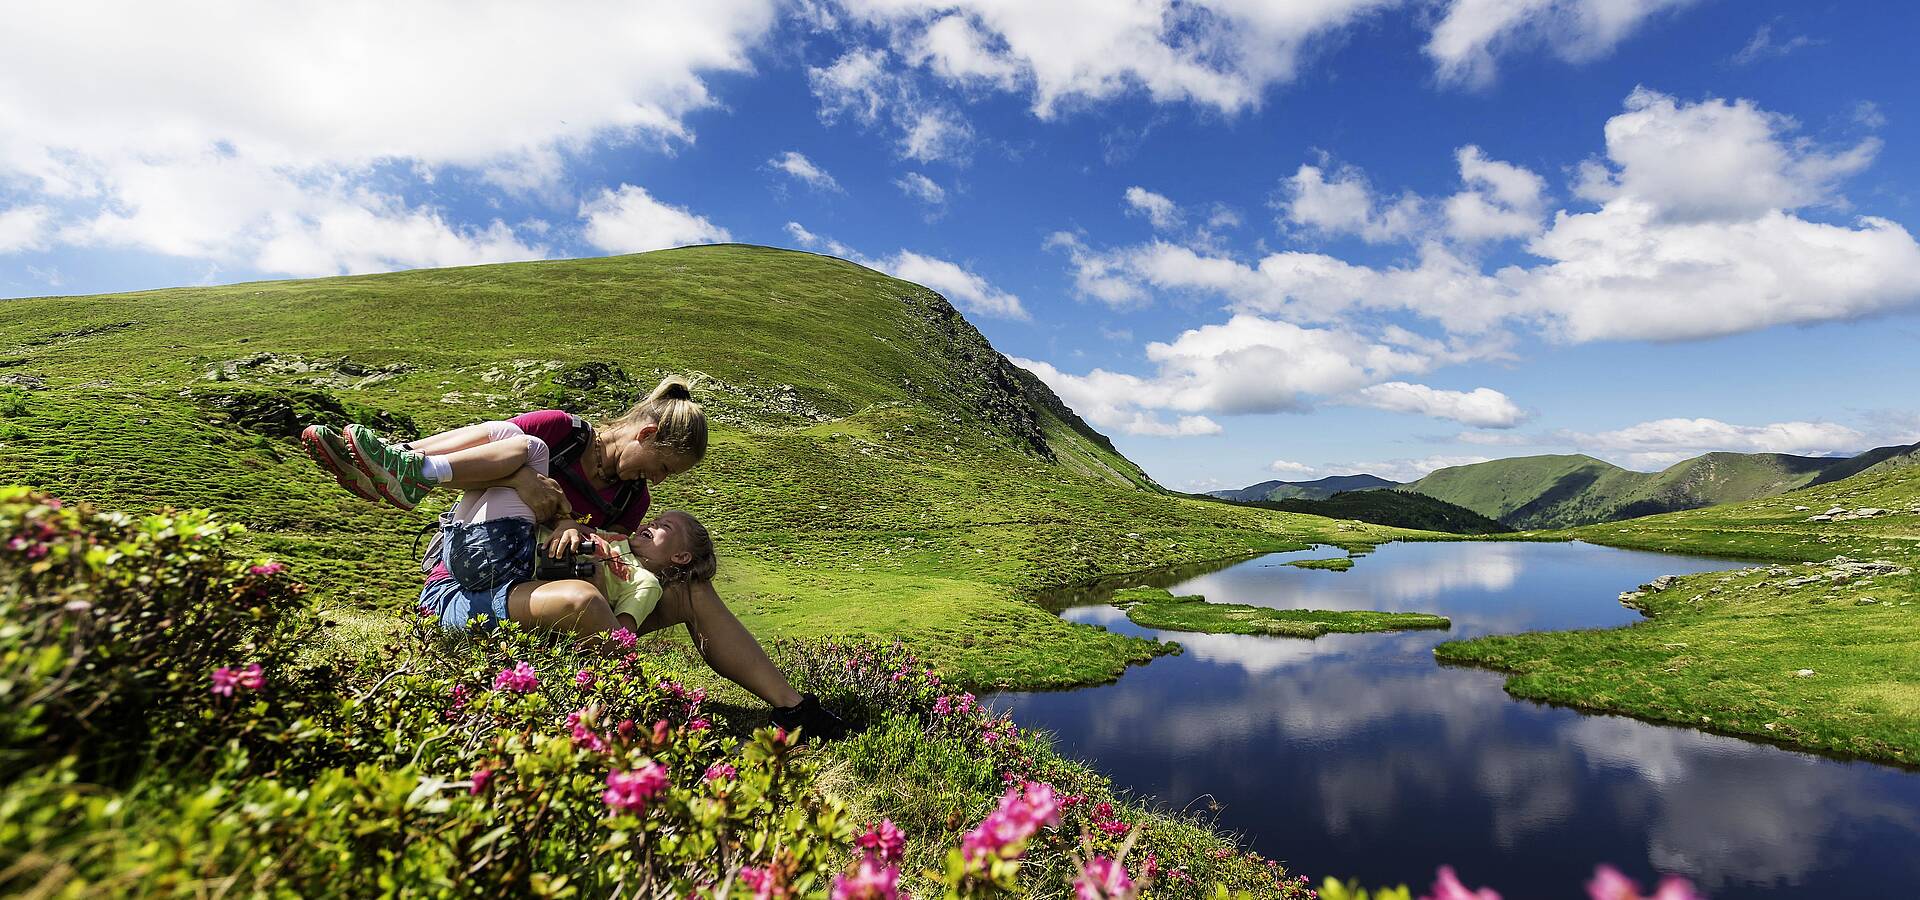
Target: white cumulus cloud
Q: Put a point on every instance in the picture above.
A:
(956, 282)
(922, 188)
(271, 135)
(1480, 407)
(1697, 234)
(1160, 211)
(630, 220)
(1471, 33)
(24, 228)
(796, 164)
(1345, 204)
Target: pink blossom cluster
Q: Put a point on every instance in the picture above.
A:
(521, 679)
(584, 679)
(250, 677)
(1004, 832)
(885, 839)
(764, 881)
(267, 570)
(37, 541)
(625, 638)
(1103, 879)
(721, 770)
(871, 879)
(1105, 819)
(580, 724)
(1447, 886)
(629, 791)
(480, 779)
(1609, 884)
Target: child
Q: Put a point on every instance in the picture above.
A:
(671, 549)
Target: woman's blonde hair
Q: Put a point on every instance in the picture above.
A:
(679, 423)
(699, 544)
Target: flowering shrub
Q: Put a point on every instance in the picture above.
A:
(106, 619)
(930, 753)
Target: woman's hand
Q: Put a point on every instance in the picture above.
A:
(541, 494)
(567, 538)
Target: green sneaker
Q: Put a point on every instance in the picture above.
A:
(330, 450)
(395, 472)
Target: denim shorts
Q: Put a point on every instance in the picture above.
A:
(485, 559)
(461, 610)
(485, 555)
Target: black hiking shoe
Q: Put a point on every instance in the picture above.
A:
(811, 719)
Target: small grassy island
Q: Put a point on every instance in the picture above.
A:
(1334, 564)
(1151, 607)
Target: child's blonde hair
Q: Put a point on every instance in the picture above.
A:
(699, 545)
(679, 423)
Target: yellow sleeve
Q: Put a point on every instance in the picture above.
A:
(635, 595)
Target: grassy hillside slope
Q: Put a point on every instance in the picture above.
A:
(877, 468)
(1317, 489)
(1403, 509)
(1564, 491)
(1819, 649)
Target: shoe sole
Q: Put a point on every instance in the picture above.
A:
(317, 449)
(374, 475)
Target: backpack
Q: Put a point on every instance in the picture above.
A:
(560, 464)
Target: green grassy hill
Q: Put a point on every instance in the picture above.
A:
(1818, 648)
(1401, 509)
(877, 467)
(1318, 489)
(1562, 491)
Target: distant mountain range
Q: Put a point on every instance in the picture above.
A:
(1319, 489)
(1531, 492)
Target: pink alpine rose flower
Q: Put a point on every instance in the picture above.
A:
(1103, 879)
(521, 679)
(1447, 886)
(624, 638)
(885, 839)
(1609, 884)
(629, 791)
(252, 677)
(872, 879)
(223, 681)
(480, 779)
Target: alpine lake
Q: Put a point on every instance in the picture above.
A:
(1357, 755)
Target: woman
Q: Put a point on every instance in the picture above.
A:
(601, 474)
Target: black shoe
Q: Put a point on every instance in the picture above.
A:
(811, 719)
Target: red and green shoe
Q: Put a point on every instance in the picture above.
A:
(330, 450)
(395, 473)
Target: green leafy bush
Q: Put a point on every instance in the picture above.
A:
(112, 630)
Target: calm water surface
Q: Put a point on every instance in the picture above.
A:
(1358, 755)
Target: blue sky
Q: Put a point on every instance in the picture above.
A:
(1248, 240)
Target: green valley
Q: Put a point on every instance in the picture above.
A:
(1532, 492)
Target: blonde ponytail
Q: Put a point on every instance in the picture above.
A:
(680, 424)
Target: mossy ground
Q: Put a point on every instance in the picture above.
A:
(1151, 607)
(1333, 564)
(1766, 652)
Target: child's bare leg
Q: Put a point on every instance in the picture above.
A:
(486, 463)
(449, 441)
(572, 606)
(727, 645)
